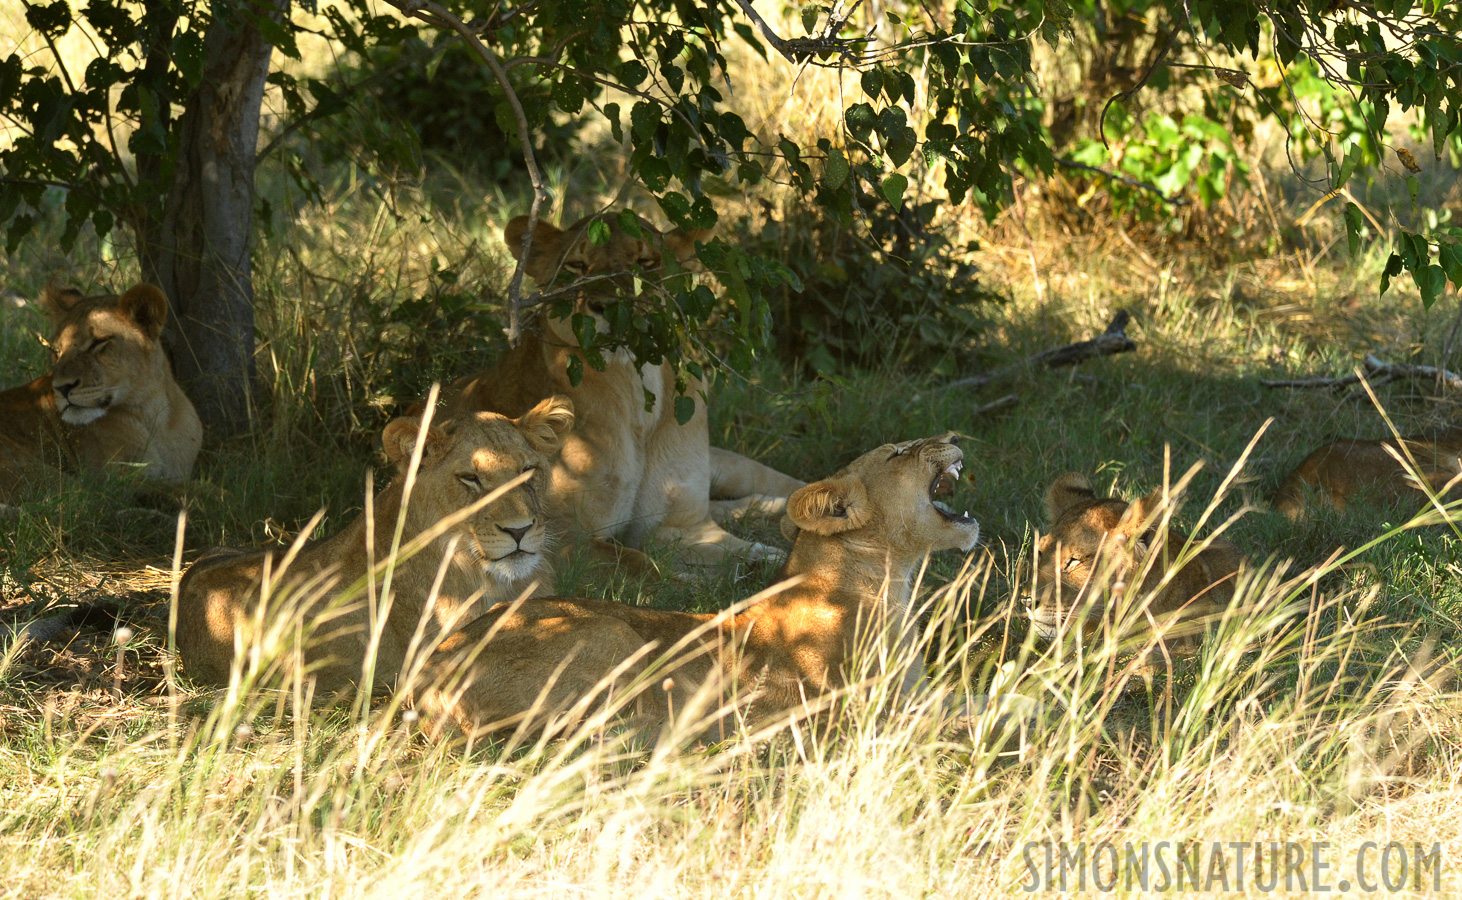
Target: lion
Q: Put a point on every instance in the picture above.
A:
(859, 539)
(1097, 546)
(1341, 471)
(109, 400)
(630, 472)
(494, 552)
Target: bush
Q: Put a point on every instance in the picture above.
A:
(893, 290)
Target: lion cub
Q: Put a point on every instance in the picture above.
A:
(496, 553)
(859, 539)
(1096, 545)
(630, 472)
(110, 397)
(1339, 471)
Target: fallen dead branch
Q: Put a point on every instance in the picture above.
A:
(994, 406)
(1113, 340)
(1377, 373)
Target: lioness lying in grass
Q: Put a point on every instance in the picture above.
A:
(1100, 551)
(1342, 471)
(494, 552)
(630, 472)
(860, 537)
(110, 398)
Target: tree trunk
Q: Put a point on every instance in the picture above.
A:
(199, 252)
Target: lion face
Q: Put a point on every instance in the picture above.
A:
(893, 495)
(1089, 536)
(608, 271)
(105, 350)
(468, 457)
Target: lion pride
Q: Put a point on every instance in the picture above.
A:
(629, 472)
(861, 536)
(109, 400)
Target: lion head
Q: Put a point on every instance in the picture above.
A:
(1096, 546)
(891, 495)
(468, 457)
(107, 350)
(604, 270)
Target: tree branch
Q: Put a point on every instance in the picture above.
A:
(1377, 372)
(1072, 164)
(438, 15)
(1113, 340)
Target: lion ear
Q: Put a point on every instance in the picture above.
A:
(1065, 492)
(148, 307)
(1139, 517)
(682, 242)
(830, 506)
(546, 424)
(399, 439)
(60, 302)
(543, 235)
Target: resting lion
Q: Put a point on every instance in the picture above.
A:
(628, 472)
(860, 537)
(110, 397)
(1096, 545)
(1340, 471)
(497, 554)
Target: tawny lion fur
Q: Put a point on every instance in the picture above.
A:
(860, 537)
(496, 554)
(1338, 472)
(1095, 549)
(109, 399)
(627, 473)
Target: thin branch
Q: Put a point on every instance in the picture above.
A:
(1113, 340)
(436, 14)
(1162, 54)
(314, 113)
(1376, 372)
(1072, 164)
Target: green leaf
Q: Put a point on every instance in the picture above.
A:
(809, 18)
(1353, 225)
(611, 112)
(893, 189)
(629, 223)
(1450, 256)
(599, 232)
(1431, 281)
(1394, 267)
(632, 72)
(684, 409)
(575, 369)
(860, 119)
(872, 82)
(655, 173)
(836, 171)
(567, 95)
(644, 116)
(1413, 187)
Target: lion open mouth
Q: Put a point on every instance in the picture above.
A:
(943, 486)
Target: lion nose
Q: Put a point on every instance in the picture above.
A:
(516, 533)
(64, 388)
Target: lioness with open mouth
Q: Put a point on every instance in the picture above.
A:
(860, 537)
